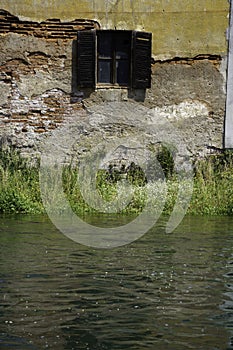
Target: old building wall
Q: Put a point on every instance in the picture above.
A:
(39, 65)
(180, 28)
(36, 78)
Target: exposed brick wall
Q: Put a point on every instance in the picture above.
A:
(36, 77)
(49, 29)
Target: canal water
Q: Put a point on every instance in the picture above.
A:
(163, 291)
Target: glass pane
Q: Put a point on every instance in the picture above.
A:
(122, 46)
(121, 54)
(122, 72)
(104, 71)
(104, 47)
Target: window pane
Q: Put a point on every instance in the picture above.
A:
(104, 71)
(122, 45)
(104, 47)
(122, 54)
(122, 72)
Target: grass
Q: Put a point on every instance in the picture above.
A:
(19, 185)
(212, 186)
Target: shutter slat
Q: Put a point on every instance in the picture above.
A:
(86, 58)
(141, 60)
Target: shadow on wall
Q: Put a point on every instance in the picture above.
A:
(78, 95)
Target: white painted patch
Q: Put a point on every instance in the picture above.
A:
(184, 110)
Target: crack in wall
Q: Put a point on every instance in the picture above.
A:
(215, 59)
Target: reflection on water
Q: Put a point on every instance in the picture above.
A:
(161, 292)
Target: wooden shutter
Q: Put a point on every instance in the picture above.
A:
(86, 58)
(141, 60)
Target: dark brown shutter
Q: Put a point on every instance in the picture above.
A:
(141, 60)
(86, 58)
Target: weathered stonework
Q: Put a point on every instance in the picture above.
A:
(39, 93)
(35, 78)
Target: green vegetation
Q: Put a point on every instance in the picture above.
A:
(212, 192)
(213, 186)
(19, 185)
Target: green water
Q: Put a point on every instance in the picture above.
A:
(164, 291)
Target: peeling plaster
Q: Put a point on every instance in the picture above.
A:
(36, 90)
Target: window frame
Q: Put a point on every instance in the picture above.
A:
(139, 60)
(115, 36)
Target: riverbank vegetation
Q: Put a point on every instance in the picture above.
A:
(212, 186)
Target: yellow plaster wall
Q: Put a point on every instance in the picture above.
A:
(182, 28)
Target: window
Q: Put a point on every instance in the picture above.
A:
(114, 58)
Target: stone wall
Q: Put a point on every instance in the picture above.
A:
(39, 93)
(36, 77)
